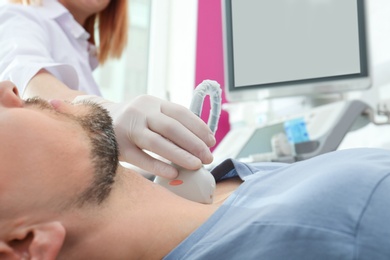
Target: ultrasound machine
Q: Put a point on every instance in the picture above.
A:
(317, 50)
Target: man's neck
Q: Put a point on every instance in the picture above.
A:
(140, 220)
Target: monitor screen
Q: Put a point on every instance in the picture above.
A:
(279, 48)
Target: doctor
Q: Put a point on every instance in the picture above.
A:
(48, 49)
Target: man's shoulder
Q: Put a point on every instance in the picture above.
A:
(374, 158)
(364, 151)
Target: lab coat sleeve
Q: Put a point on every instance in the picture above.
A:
(25, 49)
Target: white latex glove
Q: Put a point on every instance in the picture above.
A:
(161, 127)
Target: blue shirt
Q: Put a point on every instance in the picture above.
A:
(334, 206)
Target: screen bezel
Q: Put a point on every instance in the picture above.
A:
(306, 87)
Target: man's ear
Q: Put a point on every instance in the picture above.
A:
(42, 241)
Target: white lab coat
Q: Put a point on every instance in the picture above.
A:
(33, 38)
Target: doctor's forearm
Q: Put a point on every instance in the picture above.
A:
(47, 86)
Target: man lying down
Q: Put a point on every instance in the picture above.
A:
(63, 196)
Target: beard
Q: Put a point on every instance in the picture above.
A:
(98, 126)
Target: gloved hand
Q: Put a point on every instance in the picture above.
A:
(161, 127)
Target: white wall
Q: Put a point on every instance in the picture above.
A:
(379, 21)
(379, 30)
(126, 78)
(172, 50)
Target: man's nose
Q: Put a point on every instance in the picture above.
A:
(9, 95)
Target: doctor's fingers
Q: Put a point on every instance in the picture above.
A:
(180, 136)
(161, 147)
(190, 121)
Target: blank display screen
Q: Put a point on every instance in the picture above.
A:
(303, 39)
